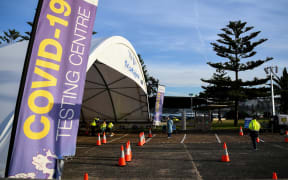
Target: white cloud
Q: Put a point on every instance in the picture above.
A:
(189, 75)
(9, 90)
(172, 43)
(174, 93)
(169, 29)
(177, 75)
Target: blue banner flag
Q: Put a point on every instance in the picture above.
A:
(50, 104)
(159, 105)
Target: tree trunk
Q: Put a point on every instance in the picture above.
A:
(236, 101)
(219, 115)
(236, 113)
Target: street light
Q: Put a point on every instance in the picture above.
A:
(191, 95)
(272, 70)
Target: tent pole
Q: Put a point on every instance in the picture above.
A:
(108, 90)
(22, 85)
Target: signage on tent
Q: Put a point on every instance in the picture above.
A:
(132, 66)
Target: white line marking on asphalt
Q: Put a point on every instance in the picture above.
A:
(150, 138)
(91, 148)
(278, 146)
(117, 138)
(193, 164)
(183, 139)
(217, 137)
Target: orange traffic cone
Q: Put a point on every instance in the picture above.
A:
(286, 136)
(225, 157)
(144, 141)
(258, 140)
(98, 140)
(86, 176)
(150, 133)
(140, 142)
(128, 155)
(104, 141)
(274, 176)
(241, 132)
(122, 161)
(130, 149)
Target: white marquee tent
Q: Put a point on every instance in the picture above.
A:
(115, 87)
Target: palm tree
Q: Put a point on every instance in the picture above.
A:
(27, 35)
(281, 88)
(1, 39)
(11, 35)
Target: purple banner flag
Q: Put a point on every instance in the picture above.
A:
(159, 105)
(50, 106)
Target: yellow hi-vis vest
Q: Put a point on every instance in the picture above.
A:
(103, 125)
(254, 125)
(110, 125)
(93, 123)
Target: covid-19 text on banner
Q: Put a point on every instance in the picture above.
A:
(52, 89)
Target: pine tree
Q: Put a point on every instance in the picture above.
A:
(218, 88)
(151, 82)
(235, 46)
(281, 88)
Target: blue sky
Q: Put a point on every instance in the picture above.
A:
(174, 36)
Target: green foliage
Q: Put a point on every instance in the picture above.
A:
(242, 114)
(10, 36)
(236, 47)
(27, 35)
(152, 86)
(151, 82)
(218, 87)
(226, 124)
(281, 88)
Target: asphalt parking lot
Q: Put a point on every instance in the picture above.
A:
(184, 156)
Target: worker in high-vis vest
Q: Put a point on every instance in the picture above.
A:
(93, 127)
(97, 119)
(109, 128)
(254, 127)
(103, 127)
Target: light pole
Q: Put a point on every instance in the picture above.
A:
(272, 70)
(191, 95)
